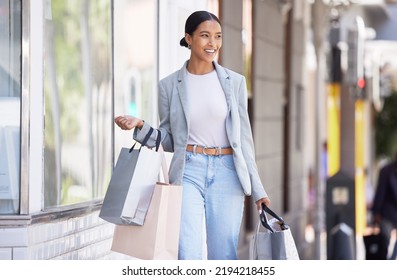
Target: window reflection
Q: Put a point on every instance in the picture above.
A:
(135, 47)
(78, 100)
(10, 92)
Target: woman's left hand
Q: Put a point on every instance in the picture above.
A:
(265, 200)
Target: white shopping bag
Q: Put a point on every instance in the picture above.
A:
(132, 184)
(275, 241)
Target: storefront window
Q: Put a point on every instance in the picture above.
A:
(135, 64)
(10, 92)
(78, 100)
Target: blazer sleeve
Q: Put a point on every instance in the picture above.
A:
(164, 114)
(247, 143)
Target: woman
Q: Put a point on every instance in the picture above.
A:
(204, 122)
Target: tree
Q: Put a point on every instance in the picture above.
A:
(386, 128)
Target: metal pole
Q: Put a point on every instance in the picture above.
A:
(319, 31)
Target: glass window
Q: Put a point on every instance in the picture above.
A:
(78, 101)
(135, 63)
(10, 92)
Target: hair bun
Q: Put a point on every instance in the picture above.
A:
(183, 42)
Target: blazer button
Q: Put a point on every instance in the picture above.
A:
(234, 145)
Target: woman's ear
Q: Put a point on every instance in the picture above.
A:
(188, 39)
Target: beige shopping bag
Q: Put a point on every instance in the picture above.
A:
(158, 238)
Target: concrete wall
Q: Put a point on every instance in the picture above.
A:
(269, 82)
(268, 91)
(232, 26)
(298, 186)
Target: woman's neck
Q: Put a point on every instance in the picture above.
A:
(199, 68)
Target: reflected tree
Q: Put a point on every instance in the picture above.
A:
(386, 128)
(78, 101)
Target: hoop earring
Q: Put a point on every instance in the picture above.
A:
(189, 47)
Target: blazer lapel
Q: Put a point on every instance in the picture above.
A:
(182, 91)
(225, 83)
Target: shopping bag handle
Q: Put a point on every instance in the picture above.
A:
(147, 136)
(164, 164)
(264, 220)
(158, 140)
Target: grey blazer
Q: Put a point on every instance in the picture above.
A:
(174, 126)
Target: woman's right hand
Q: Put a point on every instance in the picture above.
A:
(264, 200)
(377, 219)
(128, 122)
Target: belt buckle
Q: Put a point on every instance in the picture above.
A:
(219, 149)
(194, 149)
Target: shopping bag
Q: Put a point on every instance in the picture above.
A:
(376, 244)
(275, 242)
(158, 238)
(132, 183)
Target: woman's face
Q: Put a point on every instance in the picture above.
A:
(205, 41)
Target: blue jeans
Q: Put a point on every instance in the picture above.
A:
(211, 188)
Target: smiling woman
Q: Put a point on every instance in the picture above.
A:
(203, 36)
(204, 122)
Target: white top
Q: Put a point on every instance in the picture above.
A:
(208, 110)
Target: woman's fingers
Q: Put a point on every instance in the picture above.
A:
(264, 200)
(124, 122)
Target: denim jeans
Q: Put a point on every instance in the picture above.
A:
(211, 188)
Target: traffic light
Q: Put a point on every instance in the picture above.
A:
(334, 54)
(355, 77)
(361, 83)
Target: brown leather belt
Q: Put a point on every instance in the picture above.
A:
(212, 151)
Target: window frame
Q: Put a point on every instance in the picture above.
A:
(26, 215)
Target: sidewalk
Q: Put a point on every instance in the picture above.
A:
(308, 250)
